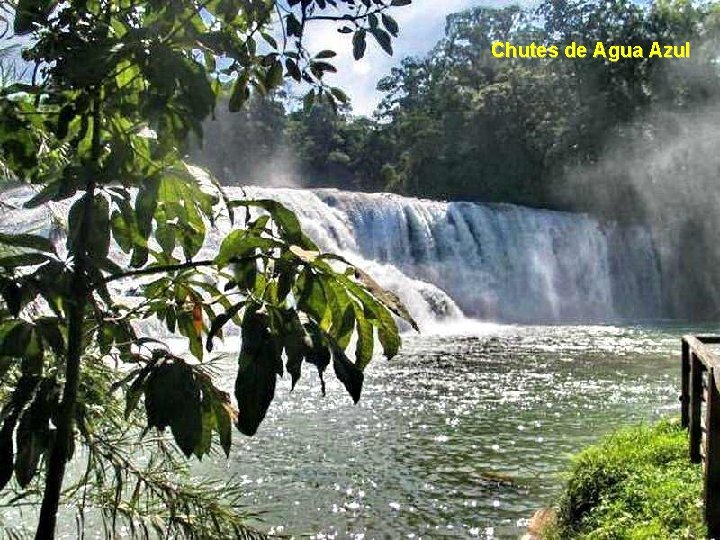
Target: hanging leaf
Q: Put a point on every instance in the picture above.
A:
(348, 373)
(6, 451)
(359, 44)
(172, 399)
(197, 314)
(32, 438)
(317, 352)
(260, 355)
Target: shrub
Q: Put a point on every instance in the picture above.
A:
(636, 483)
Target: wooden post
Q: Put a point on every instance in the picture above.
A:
(712, 458)
(696, 391)
(685, 384)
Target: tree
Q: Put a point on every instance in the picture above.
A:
(470, 126)
(117, 87)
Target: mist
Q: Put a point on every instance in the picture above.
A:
(662, 172)
(249, 147)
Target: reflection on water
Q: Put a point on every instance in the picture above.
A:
(458, 436)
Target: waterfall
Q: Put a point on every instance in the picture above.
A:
(487, 261)
(450, 261)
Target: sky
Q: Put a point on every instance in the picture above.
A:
(422, 24)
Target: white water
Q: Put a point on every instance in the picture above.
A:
(492, 262)
(452, 261)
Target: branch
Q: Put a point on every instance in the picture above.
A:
(347, 18)
(158, 270)
(184, 266)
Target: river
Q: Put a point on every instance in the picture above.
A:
(460, 436)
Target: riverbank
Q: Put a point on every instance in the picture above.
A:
(636, 483)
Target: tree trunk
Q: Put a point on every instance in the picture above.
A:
(80, 291)
(66, 418)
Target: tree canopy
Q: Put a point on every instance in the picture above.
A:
(460, 124)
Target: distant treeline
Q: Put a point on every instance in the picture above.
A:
(460, 124)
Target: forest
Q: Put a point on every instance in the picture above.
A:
(458, 124)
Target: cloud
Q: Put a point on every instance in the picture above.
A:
(422, 24)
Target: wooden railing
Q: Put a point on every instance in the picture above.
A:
(700, 414)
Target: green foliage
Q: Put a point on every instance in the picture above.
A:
(118, 87)
(120, 479)
(466, 125)
(460, 124)
(637, 483)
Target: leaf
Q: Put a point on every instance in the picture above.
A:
(312, 298)
(24, 259)
(30, 241)
(54, 191)
(15, 336)
(220, 321)
(388, 298)
(240, 94)
(391, 24)
(49, 330)
(384, 39)
(32, 438)
(30, 13)
(224, 418)
(197, 316)
(97, 223)
(257, 372)
(365, 341)
(12, 293)
(239, 244)
(295, 346)
(145, 206)
(359, 44)
(309, 101)
(121, 232)
(317, 352)
(208, 426)
(172, 398)
(135, 391)
(187, 326)
(6, 451)
(293, 69)
(274, 75)
(303, 254)
(389, 336)
(348, 373)
(326, 54)
(378, 315)
(339, 95)
(283, 218)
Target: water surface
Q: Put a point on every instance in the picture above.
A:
(459, 436)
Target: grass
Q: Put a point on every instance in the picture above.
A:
(636, 484)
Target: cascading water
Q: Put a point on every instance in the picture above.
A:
(452, 260)
(498, 262)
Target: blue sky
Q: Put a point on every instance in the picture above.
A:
(422, 24)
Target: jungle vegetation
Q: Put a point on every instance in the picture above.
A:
(460, 124)
(99, 125)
